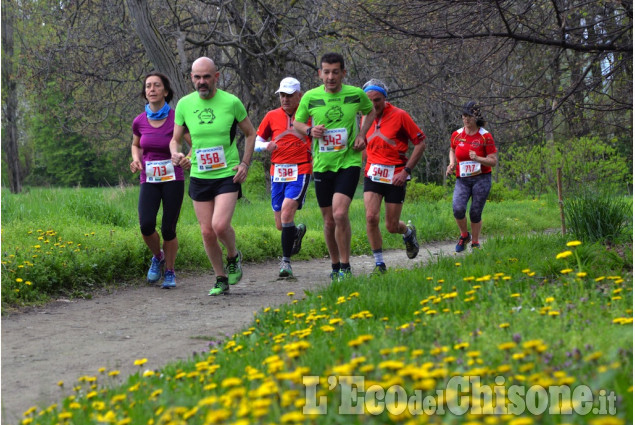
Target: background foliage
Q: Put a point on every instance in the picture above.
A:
(554, 78)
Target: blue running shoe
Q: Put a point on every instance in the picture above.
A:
(169, 280)
(154, 274)
(380, 268)
(462, 243)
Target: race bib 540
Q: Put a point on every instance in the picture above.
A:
(381, 173)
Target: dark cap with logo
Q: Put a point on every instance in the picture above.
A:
(472, 108)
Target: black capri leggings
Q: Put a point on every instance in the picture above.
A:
(476, 187)
(151, 195)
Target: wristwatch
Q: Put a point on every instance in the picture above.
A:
(407, 170)
(308, 131)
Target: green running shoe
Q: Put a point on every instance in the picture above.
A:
(234, 269)
(335, 276)
(285, 269)
(345, 274)
(220, 287)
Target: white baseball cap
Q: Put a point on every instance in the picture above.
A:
(289, 85)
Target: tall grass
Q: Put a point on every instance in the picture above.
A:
(72, 240)
(597, 216)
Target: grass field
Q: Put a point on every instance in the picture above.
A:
(531, 313)
(71, 240)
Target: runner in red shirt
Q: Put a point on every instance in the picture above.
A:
(388, 170)
(290, 168)
(472, 156)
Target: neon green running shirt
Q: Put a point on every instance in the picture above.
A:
(338, 112)
(212, 125)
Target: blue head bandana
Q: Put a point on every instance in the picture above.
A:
(376, 88)
(158, 115)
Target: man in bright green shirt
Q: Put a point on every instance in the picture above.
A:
(211, 116)
(337, 152)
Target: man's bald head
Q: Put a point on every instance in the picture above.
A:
(204, 77)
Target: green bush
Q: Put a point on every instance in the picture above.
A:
(255, 187)
(417, 192)
(500, 192)
(597, 216)
(585, 161)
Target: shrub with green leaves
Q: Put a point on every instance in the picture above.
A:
(418, 192)
(594, 216)
(584, 161)
(500, 193)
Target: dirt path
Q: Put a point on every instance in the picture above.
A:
(68, 339)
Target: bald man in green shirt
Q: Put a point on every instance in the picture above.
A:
(211, 116)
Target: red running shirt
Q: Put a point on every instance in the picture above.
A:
(482, 143)
(292, 146)
(388, 137)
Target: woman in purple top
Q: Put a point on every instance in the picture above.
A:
(161, 182)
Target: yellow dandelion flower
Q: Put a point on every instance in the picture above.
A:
(290, 294)
(593, 356)
(30, 411)
(574, 243)
(117, 398)
(566, 271)
(549, 299)
(289, 417)
(564, 254)
(581, 274)
(231, 382)
(506, 346)
(140, 362)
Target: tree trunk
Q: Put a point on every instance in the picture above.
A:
(159, 53)
(10, 103)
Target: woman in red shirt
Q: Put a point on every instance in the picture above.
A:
(472, 156)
